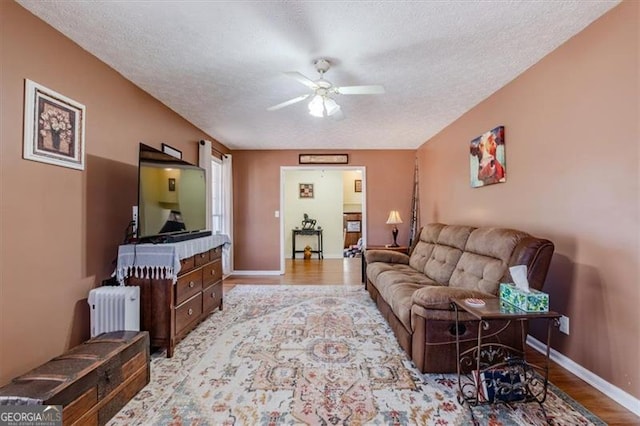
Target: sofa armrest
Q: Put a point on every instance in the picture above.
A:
(439, 297)
(386, 256)
(536, 253)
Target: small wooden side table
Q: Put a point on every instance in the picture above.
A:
(400, 249)
(501, 374)
(316, 232)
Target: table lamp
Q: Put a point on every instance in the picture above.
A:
(394, 218)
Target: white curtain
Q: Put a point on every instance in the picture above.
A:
(227, 215)
(205, 160)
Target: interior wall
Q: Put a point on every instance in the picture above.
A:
(61, 227)
(325, 207)
(352, 200)
(571, 131)
(256, 197)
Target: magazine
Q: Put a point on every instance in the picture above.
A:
(500, 384)
(477, 382)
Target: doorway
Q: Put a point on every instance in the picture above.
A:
(324, 194)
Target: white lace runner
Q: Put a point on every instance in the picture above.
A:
(161, 261)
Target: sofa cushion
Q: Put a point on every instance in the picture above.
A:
(494, 242)
(439, 297)
(478, 272)
(400, 274)
(445, 255)
(397, 285)
(376, 268)
(386, 256)
(426, 242)
(399, 297)
(485, 261)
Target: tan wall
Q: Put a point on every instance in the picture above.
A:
(572, 138)
(256, 196)
(61, 227)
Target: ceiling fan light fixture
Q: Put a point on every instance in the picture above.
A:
(331, 106)
(321, 104)
(316, 106)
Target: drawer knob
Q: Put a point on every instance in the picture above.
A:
(213, 295)
(213, 272)
(202, 255)
(190, 311)
(191, 284)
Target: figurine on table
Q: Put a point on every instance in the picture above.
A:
(308, 223)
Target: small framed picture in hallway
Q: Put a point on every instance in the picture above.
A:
(306, 190)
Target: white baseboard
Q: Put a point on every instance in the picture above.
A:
(314, 256)
(255, 273)
(628, 401)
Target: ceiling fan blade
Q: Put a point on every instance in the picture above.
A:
(289, 102)
(302, 79)
(360, 90)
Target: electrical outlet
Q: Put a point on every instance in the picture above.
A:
(134, 215)
(277, 213)
(564, 324)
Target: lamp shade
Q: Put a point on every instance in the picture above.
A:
(394, 217)
(331, 106)
(322, 105)
(316, 106)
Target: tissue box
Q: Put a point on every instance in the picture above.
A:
(534, 301)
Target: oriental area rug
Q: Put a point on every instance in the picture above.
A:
(316, 355)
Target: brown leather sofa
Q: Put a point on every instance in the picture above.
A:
(413, 292)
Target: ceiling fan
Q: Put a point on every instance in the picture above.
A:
(322, 103)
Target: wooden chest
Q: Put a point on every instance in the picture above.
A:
(92, 381)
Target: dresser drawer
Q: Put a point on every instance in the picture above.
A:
(212, 272)
(188, 285)
(188, 312)
(212, 298)
(201, 258)
(215, 253)
(187, 264)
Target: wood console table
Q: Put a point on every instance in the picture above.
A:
(316, 232)
(180, 285)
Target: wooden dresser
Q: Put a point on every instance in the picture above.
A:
(169, 311)
(351, 223)
(92, 381)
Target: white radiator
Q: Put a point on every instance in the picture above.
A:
(114, 308)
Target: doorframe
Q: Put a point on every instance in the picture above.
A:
(284, 169)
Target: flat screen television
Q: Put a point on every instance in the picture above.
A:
(171, 197)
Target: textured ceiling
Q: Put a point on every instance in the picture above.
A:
(219, 64)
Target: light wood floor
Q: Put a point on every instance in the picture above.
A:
(348, 272)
